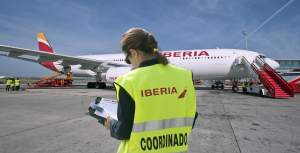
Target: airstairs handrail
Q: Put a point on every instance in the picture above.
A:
(281, 80)
(297, 79)
(254, 69)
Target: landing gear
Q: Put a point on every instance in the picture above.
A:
(235, 87)
(98, 85)
(244, 90)
(217, 85)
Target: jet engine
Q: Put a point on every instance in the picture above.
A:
(113, 73)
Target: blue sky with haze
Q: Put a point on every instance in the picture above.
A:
(95, 26)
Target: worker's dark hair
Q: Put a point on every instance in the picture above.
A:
(138, 38)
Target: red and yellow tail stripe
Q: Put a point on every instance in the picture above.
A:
(45, 46)
(43, 43)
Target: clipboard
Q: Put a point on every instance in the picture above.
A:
(103, 107)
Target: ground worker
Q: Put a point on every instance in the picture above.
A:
(17, 84)
(8, 83)
(156, 100)
(12, 85)
(245, 86)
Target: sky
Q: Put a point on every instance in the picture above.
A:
(96, 26)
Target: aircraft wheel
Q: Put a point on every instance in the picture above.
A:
(235, 89)
(101, 85)
(91, 85)
(261, 93)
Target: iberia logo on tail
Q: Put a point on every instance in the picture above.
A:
(43, 43)
(45, 46)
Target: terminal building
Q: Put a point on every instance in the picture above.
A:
(289, 68)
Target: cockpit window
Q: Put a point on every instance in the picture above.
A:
(262, 56)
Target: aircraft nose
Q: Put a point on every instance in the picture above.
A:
(272, 63)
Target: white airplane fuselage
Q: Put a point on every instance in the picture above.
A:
(207, 64)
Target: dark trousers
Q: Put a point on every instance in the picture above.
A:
(7, 87)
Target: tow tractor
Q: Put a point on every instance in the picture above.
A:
(254, 88)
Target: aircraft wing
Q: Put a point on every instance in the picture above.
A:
(64, 60)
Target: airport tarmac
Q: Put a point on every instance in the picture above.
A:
(55, 121)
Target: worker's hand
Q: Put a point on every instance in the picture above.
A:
(107, 122)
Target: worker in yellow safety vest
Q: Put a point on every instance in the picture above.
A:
(8, 82)
(17, 84)
(12, 85)
(156, 100)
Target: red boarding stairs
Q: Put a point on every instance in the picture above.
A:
(295, 84)
(272, 81)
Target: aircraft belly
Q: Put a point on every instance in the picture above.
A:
(216, 71)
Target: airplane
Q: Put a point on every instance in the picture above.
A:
(205, 64)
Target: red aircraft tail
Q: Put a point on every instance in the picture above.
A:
(43, 43)
(45, 46)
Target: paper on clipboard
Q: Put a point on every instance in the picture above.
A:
(105, 107)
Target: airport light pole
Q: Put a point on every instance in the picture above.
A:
(246, 38)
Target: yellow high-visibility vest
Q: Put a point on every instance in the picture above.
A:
(17, 82)
(8, 82)
(165, 107)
